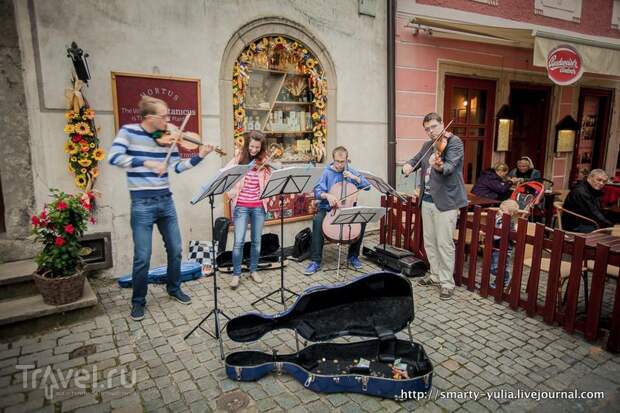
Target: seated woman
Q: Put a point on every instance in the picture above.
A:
(524, 171)
(493, 184)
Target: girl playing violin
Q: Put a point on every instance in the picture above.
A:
(135, 149)
(246, 203)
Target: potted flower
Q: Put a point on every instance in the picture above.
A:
(59, 276)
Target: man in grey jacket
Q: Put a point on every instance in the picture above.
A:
(442, 193)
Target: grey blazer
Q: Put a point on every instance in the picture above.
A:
(447, 187)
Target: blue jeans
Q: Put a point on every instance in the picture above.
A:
(495, 262)
(241, 216)
(144, 213)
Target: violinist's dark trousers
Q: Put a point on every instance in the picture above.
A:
(318, 240)
(145, 212)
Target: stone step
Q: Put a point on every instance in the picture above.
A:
(16, 272)
(30, 307)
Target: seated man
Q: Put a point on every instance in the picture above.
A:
(335, 172)
(585, 199)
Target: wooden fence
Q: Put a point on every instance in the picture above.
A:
(546, 251)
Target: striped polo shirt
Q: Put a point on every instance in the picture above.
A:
(131, 147)
(250, 193)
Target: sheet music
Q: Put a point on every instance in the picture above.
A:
(358, 215)
(292, 180)
(222, 182)
(380, 185)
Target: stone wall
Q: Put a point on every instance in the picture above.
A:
(15, 164)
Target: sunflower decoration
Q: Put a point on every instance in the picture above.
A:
(81, 181)
(85, 162)
(70, 147)
(98, 154)
(294, 56)
(89, 114)
(82, 128)
(82, 145)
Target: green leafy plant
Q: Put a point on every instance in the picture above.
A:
(59, 227)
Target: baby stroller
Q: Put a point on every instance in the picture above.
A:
(529, 195)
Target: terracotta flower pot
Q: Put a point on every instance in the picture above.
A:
(63, 290)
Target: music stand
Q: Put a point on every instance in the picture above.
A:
(356, 215)
(286, 181)
(221, 183)
(380, 185)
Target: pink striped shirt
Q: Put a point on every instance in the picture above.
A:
(250, 193)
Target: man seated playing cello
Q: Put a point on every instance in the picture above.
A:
(337, 171)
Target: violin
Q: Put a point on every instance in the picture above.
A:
(275, 151)
(342, 233)
(439, 145)
(188, 140)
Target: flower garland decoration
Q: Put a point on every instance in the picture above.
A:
(280, 53)
(82, 145)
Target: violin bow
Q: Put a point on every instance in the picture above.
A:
(355, 192)
(433, 144)
(174, 144)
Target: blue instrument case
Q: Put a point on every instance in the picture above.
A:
(375, 306)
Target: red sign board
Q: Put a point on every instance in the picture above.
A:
(181, 94)
(564, 65)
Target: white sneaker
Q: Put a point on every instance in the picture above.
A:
(234, 283)
(257, 278)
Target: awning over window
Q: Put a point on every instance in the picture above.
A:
(475, 32)
(598, 56)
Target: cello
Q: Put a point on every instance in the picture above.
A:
(346, 192)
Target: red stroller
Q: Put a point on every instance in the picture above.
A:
(529, 195)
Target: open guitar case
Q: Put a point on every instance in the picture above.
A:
(269, 255)
(375, 306)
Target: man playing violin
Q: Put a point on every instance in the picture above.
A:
(337, 171)
(136, 149)
(442, 193)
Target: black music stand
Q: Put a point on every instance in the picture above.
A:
(221, 183)
(286, 181)
(380, 185)
(356, 215)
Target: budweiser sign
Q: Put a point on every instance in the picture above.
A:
(564, 65)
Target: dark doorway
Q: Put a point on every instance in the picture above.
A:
(593, 119)
(530, 104)
(470, 103)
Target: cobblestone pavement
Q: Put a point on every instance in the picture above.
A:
(474, 344)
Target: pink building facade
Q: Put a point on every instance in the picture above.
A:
(467, 59)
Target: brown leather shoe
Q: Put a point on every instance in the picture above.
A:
(257, 278)
(427, 282)
(234, 283)
(446, 293)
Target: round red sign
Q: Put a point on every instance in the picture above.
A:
(564, 65)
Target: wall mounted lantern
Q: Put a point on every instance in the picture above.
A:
(566, 130)
(505, 124)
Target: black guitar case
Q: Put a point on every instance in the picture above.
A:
(396, 259)
(377, 305)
